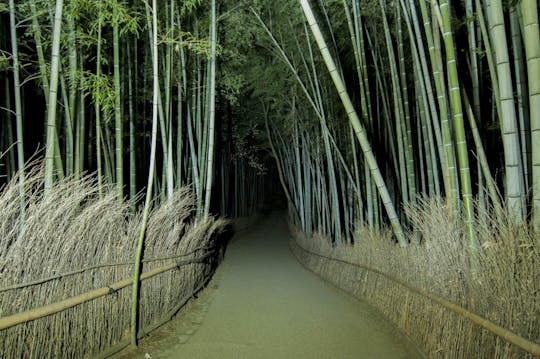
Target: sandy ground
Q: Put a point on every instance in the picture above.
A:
(264, 304)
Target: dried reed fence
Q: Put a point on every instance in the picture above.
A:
(72, 241)
(503, 287)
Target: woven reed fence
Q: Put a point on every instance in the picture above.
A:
(65, 277)
(437, 326)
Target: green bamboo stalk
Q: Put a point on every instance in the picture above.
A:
(489, 56)
(473, 57)
(531, 34)
(212, 109)
(8, 132)
(53, 94)
(508, 121)
(118, 130)
(307, 167)
(166, 172)
(36, 30)
(131, 114)
(426, 98)
(522, 100)
(482, 158)
(443, 14)
(182, 96)
(18, 106)
(448, 159)
(407, 128)
(397, 108)
(168, 104)
(68, 127)
(355, 41)
(80, 136)
(71, 114)
(97, 108)
(150, 184)
(193, 155)
(299, 183)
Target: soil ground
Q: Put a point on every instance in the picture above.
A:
(263, 304)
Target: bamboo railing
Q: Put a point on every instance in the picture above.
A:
(40, 312)
(510, 337)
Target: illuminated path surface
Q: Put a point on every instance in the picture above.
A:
(264, 304)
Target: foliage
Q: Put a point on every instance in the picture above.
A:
(100, 89)
(189, 6)
(191, 42)
(5, 60)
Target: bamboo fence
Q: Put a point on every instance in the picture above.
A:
(440, 328)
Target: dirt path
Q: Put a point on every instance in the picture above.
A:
(264, 304)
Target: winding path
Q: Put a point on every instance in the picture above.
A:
(266, 305)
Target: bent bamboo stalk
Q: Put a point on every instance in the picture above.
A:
(499, 331)
(36, 313)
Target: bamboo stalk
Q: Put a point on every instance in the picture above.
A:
(212, 111)
(151, 172)
(53, 93)
(18, 106)
(531, 34)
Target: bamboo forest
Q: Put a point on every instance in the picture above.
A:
(269, 179)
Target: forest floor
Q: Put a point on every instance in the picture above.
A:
(263, 304)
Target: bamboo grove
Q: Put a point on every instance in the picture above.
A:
(359, 108)
(390, 102)
(84, 85)
(360, 112)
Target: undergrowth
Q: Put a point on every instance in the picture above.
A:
(500, 281)
(75, 227)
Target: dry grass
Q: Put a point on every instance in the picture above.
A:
(502, 286)
(73, 228)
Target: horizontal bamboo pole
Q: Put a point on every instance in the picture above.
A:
(97, 266)
(505, 334)
(36, 313)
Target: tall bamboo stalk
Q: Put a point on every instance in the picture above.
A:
(531, 34)
(53, 94)
(508, 122)
(119, 155)
(18, 106)
(212, 109)
(150, 184)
